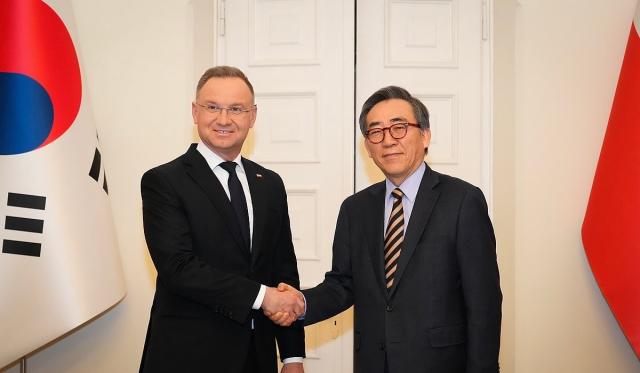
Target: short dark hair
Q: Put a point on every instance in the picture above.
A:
(387, 93)
(223, 72)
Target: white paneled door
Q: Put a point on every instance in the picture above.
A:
(299, 56)
(434, 49)
(312, 64)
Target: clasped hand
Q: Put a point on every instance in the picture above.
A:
(283, 305)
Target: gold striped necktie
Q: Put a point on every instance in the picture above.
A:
(394, 237)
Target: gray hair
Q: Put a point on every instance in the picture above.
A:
(419, 110)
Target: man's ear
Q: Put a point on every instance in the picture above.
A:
(426, 138)
(194, 112)
(254, 115)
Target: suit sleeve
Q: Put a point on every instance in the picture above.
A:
(476, 250)
(180, 270)
(290, 339)
(335, 293)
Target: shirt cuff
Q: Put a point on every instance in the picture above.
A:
(295, 359)
(258, 302)
(305, 308)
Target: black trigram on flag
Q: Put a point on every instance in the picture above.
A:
(23, 224)
(96, 167)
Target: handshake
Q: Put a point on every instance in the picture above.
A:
(283, 305)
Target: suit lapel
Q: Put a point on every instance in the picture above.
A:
(259, 201)
(422, 208)
(198, 169)
(374, 226)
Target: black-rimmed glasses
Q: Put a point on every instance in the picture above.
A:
(396, 130)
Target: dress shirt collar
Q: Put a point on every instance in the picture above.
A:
(410, 186)
(214, 160)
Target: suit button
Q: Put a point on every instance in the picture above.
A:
(381, 346)
(389, 308)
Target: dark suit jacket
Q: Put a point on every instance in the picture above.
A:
(207, 278)
(443, 312)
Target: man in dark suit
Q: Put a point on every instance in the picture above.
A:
(217, 228)
(415, 254)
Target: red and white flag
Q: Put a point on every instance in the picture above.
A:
(611, 227)
(59, 262)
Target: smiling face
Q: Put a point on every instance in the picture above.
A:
(397, 158)
(224, 133)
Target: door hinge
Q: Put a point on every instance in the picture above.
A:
(221, 18)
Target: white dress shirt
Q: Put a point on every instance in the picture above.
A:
(214, 161)
(409, 188)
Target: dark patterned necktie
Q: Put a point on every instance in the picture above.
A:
(238, 200)
(394, 237)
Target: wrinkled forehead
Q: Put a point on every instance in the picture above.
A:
(390, 111)
(225, 88)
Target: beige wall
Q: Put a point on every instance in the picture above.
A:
(555, 71)
(566, 60)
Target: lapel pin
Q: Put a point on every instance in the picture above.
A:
(259, 176)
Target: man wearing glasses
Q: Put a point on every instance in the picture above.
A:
(415, 254)
(217, 228)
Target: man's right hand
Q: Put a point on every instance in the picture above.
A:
(283, 305)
